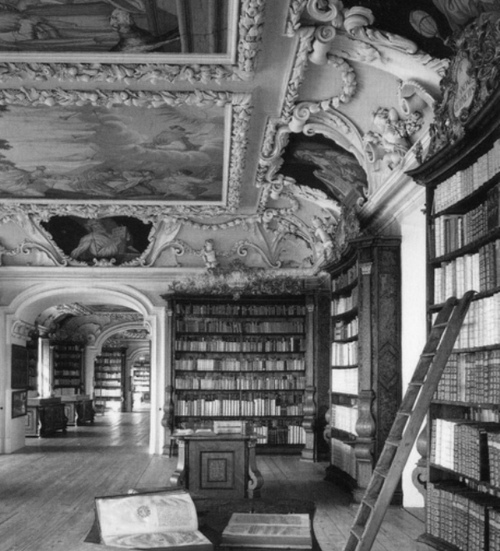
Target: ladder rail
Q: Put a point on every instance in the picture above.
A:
(407, 425)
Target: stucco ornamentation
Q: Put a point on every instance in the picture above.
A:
(391, 141)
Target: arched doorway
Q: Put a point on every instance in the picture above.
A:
(20, 318)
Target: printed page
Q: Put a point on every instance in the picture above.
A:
(157, 539)
(146, 514)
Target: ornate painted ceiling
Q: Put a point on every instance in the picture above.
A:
(256, 134)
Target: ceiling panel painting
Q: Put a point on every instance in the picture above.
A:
(144, 27)
(119, 153)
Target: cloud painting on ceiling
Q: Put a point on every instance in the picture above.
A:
(125, 26)
(321, 164)
(117, 153)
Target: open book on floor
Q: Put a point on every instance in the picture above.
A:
(256, 530)
(152, 520)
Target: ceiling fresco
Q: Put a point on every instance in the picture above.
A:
(170, 153)
(124, 26)
(320, 163)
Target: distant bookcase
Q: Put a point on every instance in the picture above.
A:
(365, 375)
(248, 359)
(463, 434)
(109, 378)
(68, 368)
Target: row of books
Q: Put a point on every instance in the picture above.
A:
(454, 231)
(281, 344)
(344, 353)
(345, 279)
(471, 377)
(343, 457)
(240, 383)
(463, 183)
(494, 458)
(218, 407)
(343, 331)
(479, 271)
(462, 446)
(230, 309)
(462, 516)
(68, 356)
(101, 361)
(345, 303)
(107, 375)
(231, 326)
(114, 383)
(345, 381)
(291, 434)
(344, 418)
(68, 382)
(108, 392)
(66, 372)
(229, 364)
(482, 323)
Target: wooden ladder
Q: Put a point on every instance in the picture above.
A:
(407, 423)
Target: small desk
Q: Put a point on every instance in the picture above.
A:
(218, 465)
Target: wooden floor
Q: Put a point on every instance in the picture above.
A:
(47, 489)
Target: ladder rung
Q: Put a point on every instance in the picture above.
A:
(439, 325)
(428, 355)
(404, 413)
(415, 383)
(393, 442)
(381, 472)
(357, 531)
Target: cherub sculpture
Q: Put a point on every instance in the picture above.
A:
(208, 254)
(392, 135)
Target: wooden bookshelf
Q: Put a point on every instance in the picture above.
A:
(109, 378)
(67, 376)
(463, 444)
(249, 359)
(365, 377)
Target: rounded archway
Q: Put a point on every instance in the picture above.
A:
(19, 318)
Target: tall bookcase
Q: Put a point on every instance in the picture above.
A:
(250, 359)
(365, 374)
(109, 378)
(463, 433)
(67, 368)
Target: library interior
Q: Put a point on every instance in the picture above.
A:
(308, 353)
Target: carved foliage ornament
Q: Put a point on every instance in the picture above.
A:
(237, 281)
(469, 81)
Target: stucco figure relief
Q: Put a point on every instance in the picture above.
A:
(390, 141)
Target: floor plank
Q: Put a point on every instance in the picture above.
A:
(47, 489)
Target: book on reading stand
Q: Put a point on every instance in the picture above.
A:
(277, 531)
(151, 520)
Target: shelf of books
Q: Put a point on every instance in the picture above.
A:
(365, 332)
(68, 368)
(463, 221)
(343, 412)
(242, 360)
(109, 379)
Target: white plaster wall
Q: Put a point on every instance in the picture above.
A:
(413, 261)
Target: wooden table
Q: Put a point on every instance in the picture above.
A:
(218, 465)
